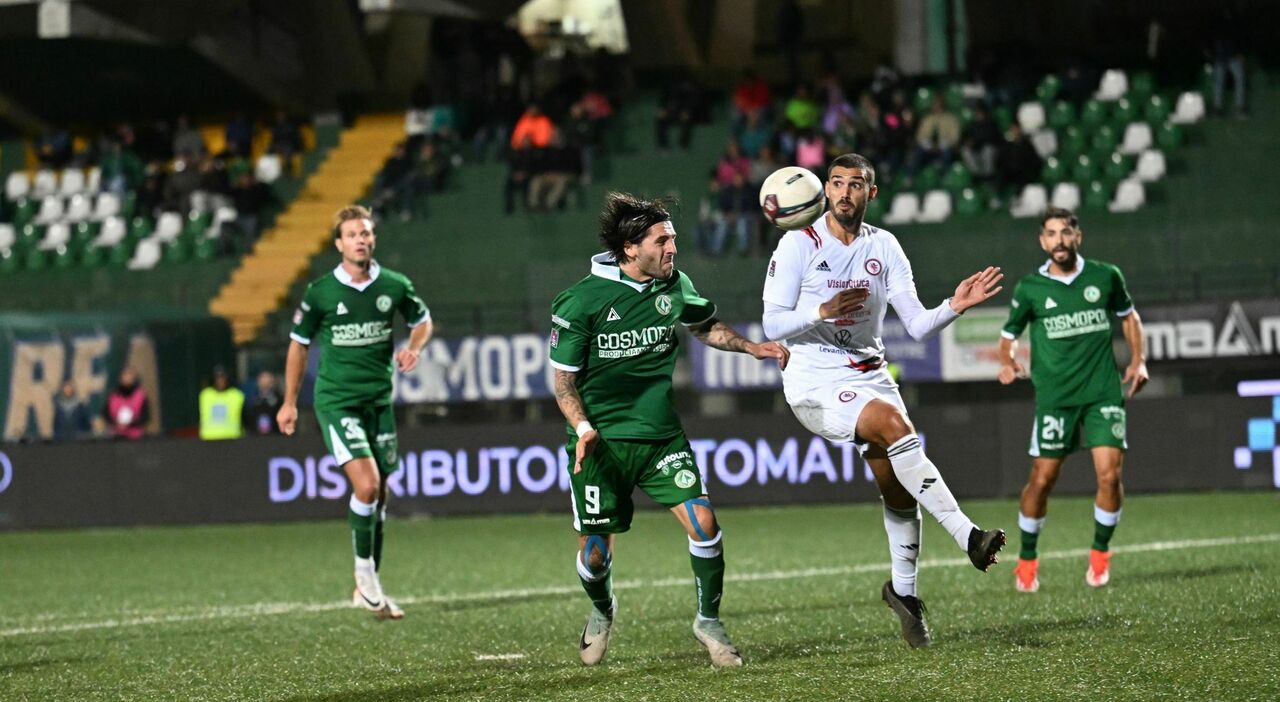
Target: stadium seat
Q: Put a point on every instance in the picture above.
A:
(94, 181)
(1113, 86)
(79, 208)
(206, 249)
(1169, 137)
(107, 205)
(10, 260)
(1156, 111)
(113, 232)
(64, 257)
(93, 257)
(1141, 87)
(45, 185)
(1093, 114)
(1151, 166)
(955, 97)
(1084, 169)
(875, 210)
(146, 256)
(1062, 115)
(177, 251)
(1002, 116)
(71, 182)
(1190, 108)
(1045, 142)
(1066, 196)
(956, 178)
(930, 178)
(1137, 138)
(197, 224)
(1054, 171)
(1072, 143)
(936, 206)
(268, 168)
(30, 234)
(8, 236)
(169, 226)
(1105, 141)
(139, 228)
(1048, 88)
(1031, 202)
(1116, 168)
(904, 209)
(120, 254)
(35, 260)
(83, 233)
(1129, 196)
(1031, 116)
(968, 202)
(1096, 196)
(1125, 111)
(923, 99)
(17, 186)
(50, 210)
(57, 235)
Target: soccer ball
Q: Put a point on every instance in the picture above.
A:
(792, 198)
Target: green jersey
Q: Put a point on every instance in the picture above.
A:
(618, 335)
(352, 322)
(1072, 362)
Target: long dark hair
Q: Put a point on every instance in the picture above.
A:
(626, 217)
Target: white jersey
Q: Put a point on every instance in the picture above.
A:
(808, 268)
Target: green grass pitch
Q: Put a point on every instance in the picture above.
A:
(494, 611)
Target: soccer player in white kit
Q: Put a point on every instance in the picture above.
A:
(825, 296)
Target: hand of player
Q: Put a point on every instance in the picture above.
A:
(1010, 372)
(406, 360)
(1135, 376)
(287, 419)
(977, 289)
(771, 349)
(844, 303)
(586, 446)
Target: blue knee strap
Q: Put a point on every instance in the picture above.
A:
(598, 542)
(693, 518)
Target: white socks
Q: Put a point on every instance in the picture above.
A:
(1031, 525)
(923, 482)
(1106, 518)
(903, 529)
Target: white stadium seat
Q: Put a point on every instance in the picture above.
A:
(1151, 166)
(50, 210)
(1113, 86)
(147, 255)
(95, 180)
(71, 182)
(268, 169)
(1045, 142)
(1066, 196)
(168, 227)
(8, 236)
(1031, 117)
(221, 216)
(1031, 202)
(1130, 195)
(57, 235)
(903, 209)
(46, 184)
(936, 206)
(1137, 138)
(107, 205)
(79, 208)
(17, 186)
(113, 232)
(1190, 108)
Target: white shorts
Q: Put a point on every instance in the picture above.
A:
(831, 411)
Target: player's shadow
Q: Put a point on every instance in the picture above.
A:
(503, 601)
(25, 666)
(1031, 634)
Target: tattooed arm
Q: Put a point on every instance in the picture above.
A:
(719, 335)
(571, 407)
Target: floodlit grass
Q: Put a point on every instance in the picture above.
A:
(494, 611)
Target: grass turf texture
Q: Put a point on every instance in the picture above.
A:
(494, 611)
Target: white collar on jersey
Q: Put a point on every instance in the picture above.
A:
(1068, 278)
(345, 278)
(606, 266)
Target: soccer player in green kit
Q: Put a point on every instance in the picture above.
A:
(613, 346)
(350, 313)
(1069, 303)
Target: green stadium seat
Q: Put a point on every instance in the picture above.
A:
(25, 211)
(139, 228)
(30, 234)
(1002, 116)
(1054, 171)
(1117, 168)
(93, 257)
(1048, 88)
(1072, 142)
(197, 224)
(35, 260)
(956, 179)
(923, 99)
(965, 115)
(178, 251)
(955, 97)
(1156, 111)
(10, 261)
(968, 202)
(1062, 114)
(1169, 136)
(120, 254)
(1084, 170)
(930, 178)
(1093, 114)
(875, 209)
(1124, 112)
(64, 257)
(84, 232)
(1096, 195)
(129, 205)
(1141, 87)
(206, 249)
(1105, 141)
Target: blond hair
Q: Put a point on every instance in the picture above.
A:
(347, 214)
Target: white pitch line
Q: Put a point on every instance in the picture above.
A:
(499, 656)
(275, 608)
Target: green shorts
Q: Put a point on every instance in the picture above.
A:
(664, 469)
(1056, 431)
(347, 432)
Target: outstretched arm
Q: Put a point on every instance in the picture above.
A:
(719, 335)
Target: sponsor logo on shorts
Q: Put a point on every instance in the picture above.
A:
(685, 479)
(384, 303)
(663, 304)
(674, 461)
(847, 395)
(1092, 293)
(1117, 430)
(596, 521)
(873, 266)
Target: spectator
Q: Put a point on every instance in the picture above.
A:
(427, 175)
(121, 168)
(561, 166)
(811, 151)
(738, 208)
(532, 129)
(1228, 57)
(70, 415)
(54, 148)
(239, 135)
(187, 140)
(838, 106)
(676, 107)
(597, 106)
(582, 135)
(763, 165)
(750, 96)
(127, 410)
(936, 138)
(899, 124)
(522, 165)
(732, 163)
(1018, 163)
(261, 417)
(873, 135)
(221, 408)
(708, 217)
(801, 111)
(178, 187)
(980, 144)
(250, 197)
(844, 138)
(392, 182)
(286, 140)
(755, 134)
(151, 192)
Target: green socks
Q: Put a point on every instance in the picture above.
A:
(362, 519)
(707, 559)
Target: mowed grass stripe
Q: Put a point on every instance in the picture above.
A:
(278, 608)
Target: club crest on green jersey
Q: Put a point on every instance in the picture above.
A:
(663, 304)
(384, 303)
(1092, 293)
